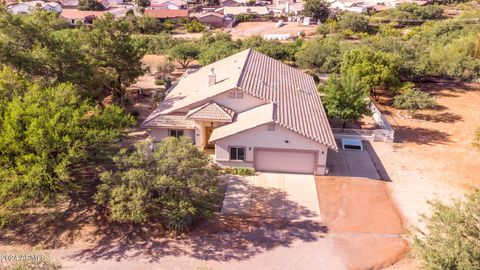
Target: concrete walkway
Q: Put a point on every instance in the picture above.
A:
(273, 195)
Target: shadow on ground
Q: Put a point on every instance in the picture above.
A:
(420, 135)
(363, 164)
(94, 237)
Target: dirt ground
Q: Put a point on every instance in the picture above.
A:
(362, 219)
(438, 143)
(361, 230)
(432, 156)
(247, 29)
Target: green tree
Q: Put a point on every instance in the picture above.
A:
(353, 21)
(451, 239)
(143, 3)
(90, 5)
(45, 131)
(115, 52)
(324, 55)
(414, 100)
(217, 51)
(318, 9)
(345, 98)
(174, 182)
(148, 25)
(374, 68)
(184, 53)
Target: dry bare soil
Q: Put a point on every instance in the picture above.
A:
(433, 156)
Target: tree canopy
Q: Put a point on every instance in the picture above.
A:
(317, 9)
(345, 98)
(37, 151)
(90, 5)
(172, 182)
(184, 53)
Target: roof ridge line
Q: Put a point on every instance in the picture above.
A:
(243, 67)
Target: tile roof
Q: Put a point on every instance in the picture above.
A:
(75, 14)
(172, 120)
(246, 120)
(260, 10)
(166, 13)
(298, 105)
(174, 2)
(213, 111)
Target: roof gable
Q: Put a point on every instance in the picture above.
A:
(211, 110)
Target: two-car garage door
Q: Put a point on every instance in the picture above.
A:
(290, 161)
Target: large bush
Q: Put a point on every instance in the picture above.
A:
(44, 132)
(172, 182)
(414, 100)
(451, 239)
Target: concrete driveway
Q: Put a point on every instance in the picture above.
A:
(272, 195)
(351, 163)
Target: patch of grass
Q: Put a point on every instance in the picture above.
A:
(239, 171)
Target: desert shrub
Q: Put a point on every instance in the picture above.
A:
(476, 140)
(195, 26)
(245, 17)
(159, 82)
(240, 171)
(414, 100)
(171, 182)
(451, 238)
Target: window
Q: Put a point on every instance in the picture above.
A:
(235, 94)
(271, 127)
(176, 133)
(237, 153)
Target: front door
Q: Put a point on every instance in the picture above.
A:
(208, 133)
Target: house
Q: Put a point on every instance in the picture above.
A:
(105, 3)
(168, 4)
(233, 11)
(352, 6)
(254, 111)
(28, 7)
(288, 8)
(83, 16)
(163, 14)
(212, 19)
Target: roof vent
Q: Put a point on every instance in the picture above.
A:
(212, 77)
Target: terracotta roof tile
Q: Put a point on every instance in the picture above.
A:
(211, 110)
(166, 13)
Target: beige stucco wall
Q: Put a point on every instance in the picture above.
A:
(238, 104)
(160, 133)
(261, 138)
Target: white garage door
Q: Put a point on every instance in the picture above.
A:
(284, 161)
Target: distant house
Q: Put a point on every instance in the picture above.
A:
(233, 11)
(253, 110)
(232, 3)
(83, 16)
(352, 6)
(168, 4)
(286, 8)
(28, 7)
(163, 14)
(212, 19)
